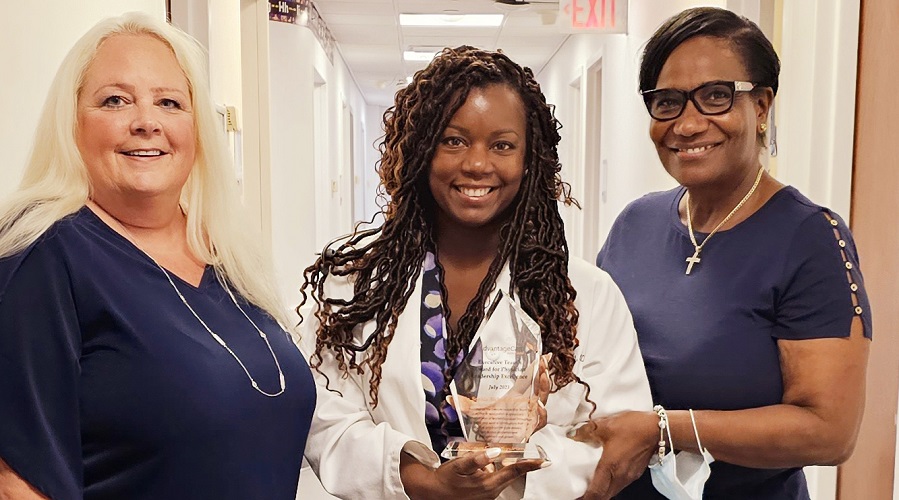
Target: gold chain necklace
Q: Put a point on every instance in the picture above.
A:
(130, 237)
(698, 246)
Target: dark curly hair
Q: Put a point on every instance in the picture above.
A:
(385, 267)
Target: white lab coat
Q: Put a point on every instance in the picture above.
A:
(355, 450)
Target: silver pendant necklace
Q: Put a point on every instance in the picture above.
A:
(222, 342)
(214, 335)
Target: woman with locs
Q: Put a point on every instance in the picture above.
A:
(470, 167)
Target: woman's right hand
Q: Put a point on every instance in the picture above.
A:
(628, 441)
(471, 476)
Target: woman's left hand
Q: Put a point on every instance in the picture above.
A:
(629, 440)
(470, 476)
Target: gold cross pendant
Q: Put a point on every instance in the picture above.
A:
(692, 260)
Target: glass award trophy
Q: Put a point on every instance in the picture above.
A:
(492, 390)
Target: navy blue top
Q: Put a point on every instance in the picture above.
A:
(110, 388)
(709, 340)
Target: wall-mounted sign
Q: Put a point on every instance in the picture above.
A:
(282, 11)
(593, 16)
(304, 13)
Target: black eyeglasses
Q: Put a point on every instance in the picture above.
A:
(712, 98)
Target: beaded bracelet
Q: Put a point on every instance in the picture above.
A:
(663, 425)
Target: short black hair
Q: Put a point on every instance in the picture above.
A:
(748, 41)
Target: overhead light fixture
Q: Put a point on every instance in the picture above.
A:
(448, 20)
(419, 56)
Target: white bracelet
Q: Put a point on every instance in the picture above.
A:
(696, 432)
(663, 426)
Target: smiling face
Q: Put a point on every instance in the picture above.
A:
(135, 126)
(701, 150)
(479, 164)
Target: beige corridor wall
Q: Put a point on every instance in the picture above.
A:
(34, 37)
(869, 474)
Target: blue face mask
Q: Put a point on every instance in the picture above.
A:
(682, 476)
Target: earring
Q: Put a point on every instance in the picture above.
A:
(763, 127)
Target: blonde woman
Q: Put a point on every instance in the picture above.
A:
(140, 347)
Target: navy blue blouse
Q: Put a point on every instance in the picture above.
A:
(709, 339)
(110, 388)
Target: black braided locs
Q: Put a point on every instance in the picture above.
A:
(385, 268)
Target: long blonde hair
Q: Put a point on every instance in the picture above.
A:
(55, 181)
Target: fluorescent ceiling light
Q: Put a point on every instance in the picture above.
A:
(414, 55)
(468, 20)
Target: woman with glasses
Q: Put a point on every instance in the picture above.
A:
(747, 297)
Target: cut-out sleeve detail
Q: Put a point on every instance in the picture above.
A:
(852, 274)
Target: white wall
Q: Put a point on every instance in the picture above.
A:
(225, 68)
(224, 53)
(816, 102)
(214, 24)
(34, 39)
(374, 134)
(311, 178)
(292, 197)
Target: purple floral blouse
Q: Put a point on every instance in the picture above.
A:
(440, 417)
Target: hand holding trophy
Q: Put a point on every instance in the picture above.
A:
(497, 390)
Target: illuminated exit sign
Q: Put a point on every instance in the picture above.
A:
(593, 16)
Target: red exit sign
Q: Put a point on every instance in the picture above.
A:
(593, 16)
